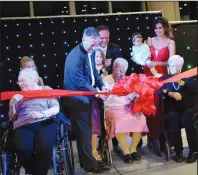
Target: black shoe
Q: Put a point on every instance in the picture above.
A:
(192, 157)
(117, 150)
(136, 156)
(128, 158)
(178, 158)
(100, 169)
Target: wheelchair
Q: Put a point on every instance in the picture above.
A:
(62, 156)
(165, 143)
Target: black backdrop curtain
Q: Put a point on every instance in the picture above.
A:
(48, 41)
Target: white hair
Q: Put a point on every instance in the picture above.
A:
(176, 60)
(120, 62)
(29, 73)
(175, 64)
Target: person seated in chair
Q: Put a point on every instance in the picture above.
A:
(179, 108)
(34, 128)
(120, 121)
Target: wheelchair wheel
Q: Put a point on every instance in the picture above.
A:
(107, 157)
(71, 155)
(55, 161)
(59, 164)
(63, 160)
(10, 164)
(156, 146)
(1, 165)
(167, 151)
(69, 158)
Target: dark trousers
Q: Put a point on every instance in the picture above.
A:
(34, 144)
(175, 119)
(82, 128)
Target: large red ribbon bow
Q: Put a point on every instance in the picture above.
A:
(144, 86)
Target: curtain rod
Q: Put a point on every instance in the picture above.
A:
(88, 15)
(182, 22)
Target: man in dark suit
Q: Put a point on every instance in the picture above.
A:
(111, 51)
(80, 74)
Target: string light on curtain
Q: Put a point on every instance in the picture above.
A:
(187, 47)
(189, 66)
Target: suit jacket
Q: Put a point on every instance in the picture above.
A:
(77, 77)
(113, 51)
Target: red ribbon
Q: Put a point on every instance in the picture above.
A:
(142, 85)
(186, 74)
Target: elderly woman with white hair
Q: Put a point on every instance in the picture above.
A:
(179, 105)
(120, 121)
(34, 130)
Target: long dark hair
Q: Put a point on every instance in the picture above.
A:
(166, 26)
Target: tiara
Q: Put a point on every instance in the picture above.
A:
(136, 37)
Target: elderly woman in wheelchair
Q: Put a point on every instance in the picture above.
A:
(179, 107)
(34, 129)
(120, 121)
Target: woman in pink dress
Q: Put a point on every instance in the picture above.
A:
(120, 122)
(162, 47)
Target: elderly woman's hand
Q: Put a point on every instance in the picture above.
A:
(133, 96)
(176, 95)
(36, 115)
(181, 82)
(15, 99)
(102, 97)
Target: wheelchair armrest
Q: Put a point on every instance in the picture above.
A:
(63, 119)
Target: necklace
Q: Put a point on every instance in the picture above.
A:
(176, 88)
